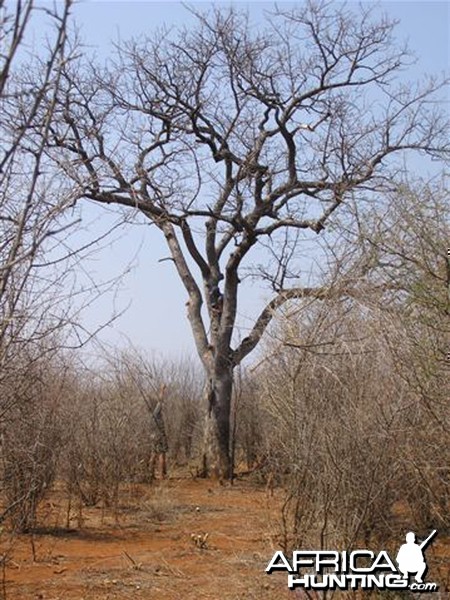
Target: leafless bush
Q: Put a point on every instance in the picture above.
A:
(354, 388)
(182, 409)
(112, 436)
(177, 386)
(356, 445)
(334, 423)
(108, 443)
(247, 427)
(31, 442)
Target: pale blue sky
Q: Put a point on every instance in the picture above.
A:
(155, 319)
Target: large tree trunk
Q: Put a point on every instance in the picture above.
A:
(217, 451)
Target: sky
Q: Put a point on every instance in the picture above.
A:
(150, 294)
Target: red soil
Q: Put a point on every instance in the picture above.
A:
(146, 550)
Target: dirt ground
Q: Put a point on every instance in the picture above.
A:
(145, 549)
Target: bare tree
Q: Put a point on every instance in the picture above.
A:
(40, 299)
(231, 139)
(28, 217)
(31, 199)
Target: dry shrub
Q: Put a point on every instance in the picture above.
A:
(351, 437)
(110, 430)
(31, 443)
(159, 505)
(108, 442)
